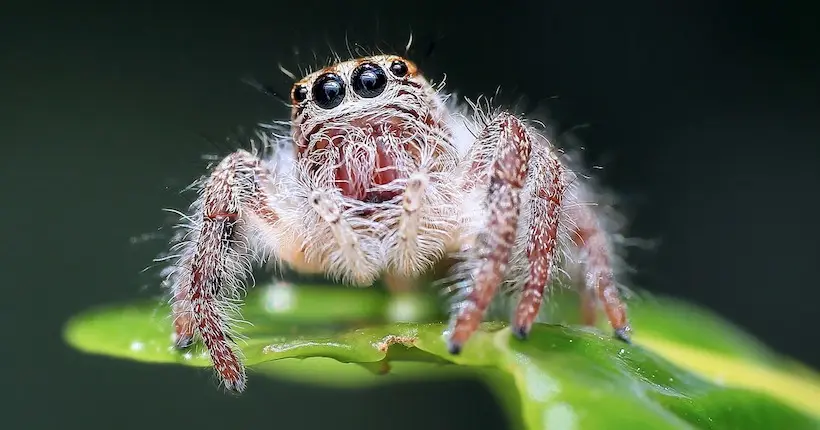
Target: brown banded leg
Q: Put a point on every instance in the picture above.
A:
(215, 259)
(545, 209)
(599, 280)
(507, 173)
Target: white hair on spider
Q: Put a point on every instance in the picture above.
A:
(380, 174)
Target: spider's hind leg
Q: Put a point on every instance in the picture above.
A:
(598, 287)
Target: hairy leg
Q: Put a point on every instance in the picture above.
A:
(599, 283)
(510, 142)
(545, 210)
(214, 257)
(407, 257)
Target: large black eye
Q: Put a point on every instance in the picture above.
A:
(299, 94)
(328, 91)
(369, 80)
(398, 68)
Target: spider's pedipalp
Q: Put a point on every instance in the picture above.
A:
(348, 253)
(406, 246)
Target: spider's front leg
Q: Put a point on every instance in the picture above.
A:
(500, 158)
(213, 257)
(513, 160)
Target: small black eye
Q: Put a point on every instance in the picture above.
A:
(328, 91)
(398, 68)
(369, 80)
(299, 94)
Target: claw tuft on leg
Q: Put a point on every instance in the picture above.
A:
(454, 348)
(521, 332)
(624, 334)
(183, 342)
(236, 386)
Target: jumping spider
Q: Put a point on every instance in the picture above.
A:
(382, 175)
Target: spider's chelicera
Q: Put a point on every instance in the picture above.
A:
(382, 175)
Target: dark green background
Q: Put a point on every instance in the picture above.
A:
(703, 115)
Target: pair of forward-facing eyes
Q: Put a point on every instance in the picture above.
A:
(368, 80)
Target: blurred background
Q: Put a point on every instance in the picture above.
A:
(703, 115)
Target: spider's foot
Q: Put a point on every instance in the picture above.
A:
(624, 334)
(521, 332)
(454, 348)
(236, 386)
(183, 341)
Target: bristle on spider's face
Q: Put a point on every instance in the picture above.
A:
(362, 126)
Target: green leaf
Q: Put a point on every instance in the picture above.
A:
(686, 369)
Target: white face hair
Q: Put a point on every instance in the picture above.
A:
(361, 125)
(384, 176)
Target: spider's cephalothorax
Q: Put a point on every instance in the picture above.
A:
(384, 177)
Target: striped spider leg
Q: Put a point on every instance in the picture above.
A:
(515, 175)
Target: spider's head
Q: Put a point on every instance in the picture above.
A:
(362, 124)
